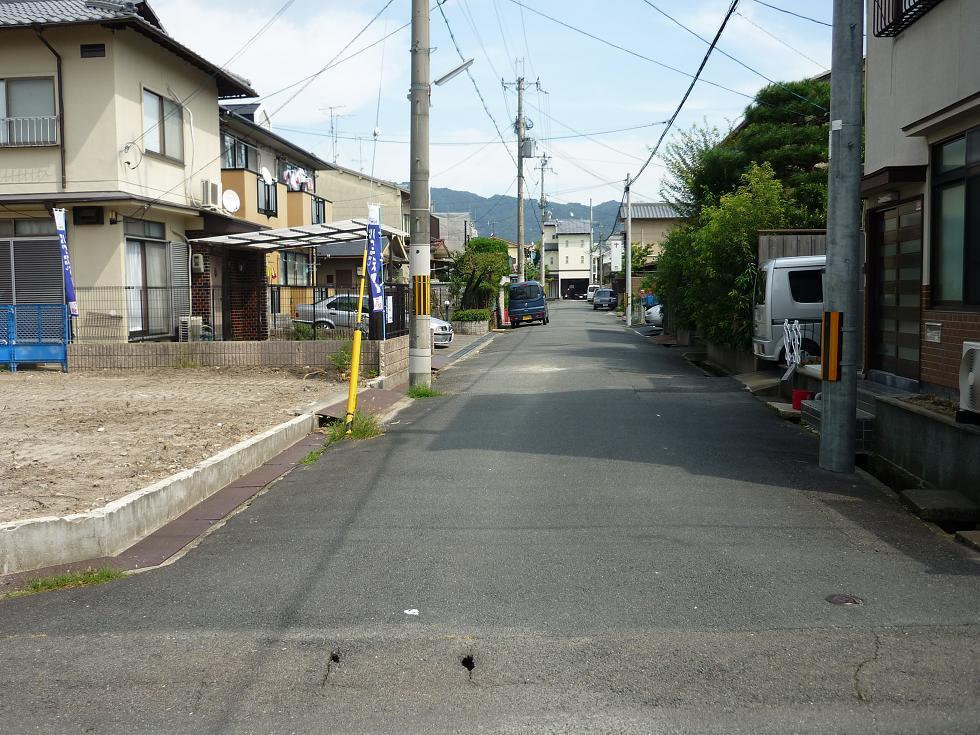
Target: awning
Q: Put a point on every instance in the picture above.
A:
(304, 236)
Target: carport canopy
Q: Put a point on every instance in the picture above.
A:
(303, 236)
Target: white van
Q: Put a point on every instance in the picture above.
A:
(590, 291)
(788, 288)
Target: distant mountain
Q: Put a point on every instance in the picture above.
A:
(498, 214)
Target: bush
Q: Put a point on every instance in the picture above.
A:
(471, 315)
(342, 359)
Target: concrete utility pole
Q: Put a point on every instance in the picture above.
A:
(543, 204)
(628, 255)
(419, 265)
(843, 275)
(519, 127)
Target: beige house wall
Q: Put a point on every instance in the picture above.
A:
(350, 194)
(652, 232)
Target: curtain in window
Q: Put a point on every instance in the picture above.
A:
(952, 203)
(134, 283)
(151, 121)
(157, 294)
(173, 129)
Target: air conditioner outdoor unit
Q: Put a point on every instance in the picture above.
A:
(970, 384)
(210, 194)
(190, 328)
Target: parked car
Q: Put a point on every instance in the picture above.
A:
(526, 303)
(442, 332)
(788, 289)
(590, 291)
(604, 298)
(332, 312)
(654, 316)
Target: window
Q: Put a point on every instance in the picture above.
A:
(238, 154)
(566, 260)
(148, 297)
(266, 203)
(163, 126)
(294, 269)
(92, 50)
(806, 287)
(956, 220)
(319, 210)
(583, 260)
(27, 115)
(27, 227)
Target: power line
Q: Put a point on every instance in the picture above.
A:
(790, 12)
(326, 66)
(741, 63)
(779, 40)
(468, 16)
(625, 50)
(479, 94)
(687, 94)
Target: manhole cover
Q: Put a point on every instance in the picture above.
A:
(845, 600)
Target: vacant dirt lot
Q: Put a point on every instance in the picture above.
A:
(72, 442)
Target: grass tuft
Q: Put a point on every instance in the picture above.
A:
(423, 391)
(68, 580)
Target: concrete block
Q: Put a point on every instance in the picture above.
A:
(942, 506)
(785, 410)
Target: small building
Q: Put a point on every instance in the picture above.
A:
(568, 250)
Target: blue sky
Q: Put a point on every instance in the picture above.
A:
(587, 86)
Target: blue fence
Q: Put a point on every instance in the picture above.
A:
(34, 333)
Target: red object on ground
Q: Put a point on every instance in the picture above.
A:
(799, 396)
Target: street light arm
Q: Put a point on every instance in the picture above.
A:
(458, 70)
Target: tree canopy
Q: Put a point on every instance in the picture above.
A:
(476, 271)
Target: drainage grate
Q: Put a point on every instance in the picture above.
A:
(845, 600)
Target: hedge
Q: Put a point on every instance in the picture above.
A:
(471, 315)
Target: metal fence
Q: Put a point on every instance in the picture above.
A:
(28, 131)
(33, 333)
(231, 312)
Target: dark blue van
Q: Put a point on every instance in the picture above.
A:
(526, 303)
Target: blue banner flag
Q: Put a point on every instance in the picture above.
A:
(59, 223)
(374, 262)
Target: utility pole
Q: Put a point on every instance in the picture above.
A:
(519, 127)
(843, 275)
(419, 336)
(628, 250)
(591, 240)
(543, 204)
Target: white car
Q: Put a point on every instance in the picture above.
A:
(654, 316)
(442, 332)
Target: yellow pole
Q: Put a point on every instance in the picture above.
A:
(355, 359)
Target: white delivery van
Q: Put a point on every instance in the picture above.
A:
(788, 289)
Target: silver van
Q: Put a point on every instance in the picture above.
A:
(788, 289)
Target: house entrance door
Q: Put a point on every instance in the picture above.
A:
(896, 285)
(217, 296)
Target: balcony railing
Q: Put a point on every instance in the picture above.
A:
(28, 131)
(891, 17)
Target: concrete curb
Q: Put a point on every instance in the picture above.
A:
(42, 542)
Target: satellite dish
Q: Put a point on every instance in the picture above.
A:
(231, 201)
(267, 176)
(376, 132)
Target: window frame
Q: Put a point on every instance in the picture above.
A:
(274, 198)
(6, 137)
(969, 176)
(319, 210)
(160, 125)
(250, 152)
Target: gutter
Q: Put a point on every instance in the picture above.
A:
(61, 106)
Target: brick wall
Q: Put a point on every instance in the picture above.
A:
(147, 355)
(201, 287)
(247, 296)
(940, 362)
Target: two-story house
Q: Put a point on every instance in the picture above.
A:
(922, 190)
(272, 184)
(103, 114)
(651, 222)
(567, 256)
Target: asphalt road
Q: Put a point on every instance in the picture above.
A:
(613, 540)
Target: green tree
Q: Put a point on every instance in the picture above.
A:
(638, 256)
(476, 271)
(707, 271)
(779, 128)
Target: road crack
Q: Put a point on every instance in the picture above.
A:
(873, 658)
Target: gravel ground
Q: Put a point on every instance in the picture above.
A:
(70, 442)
